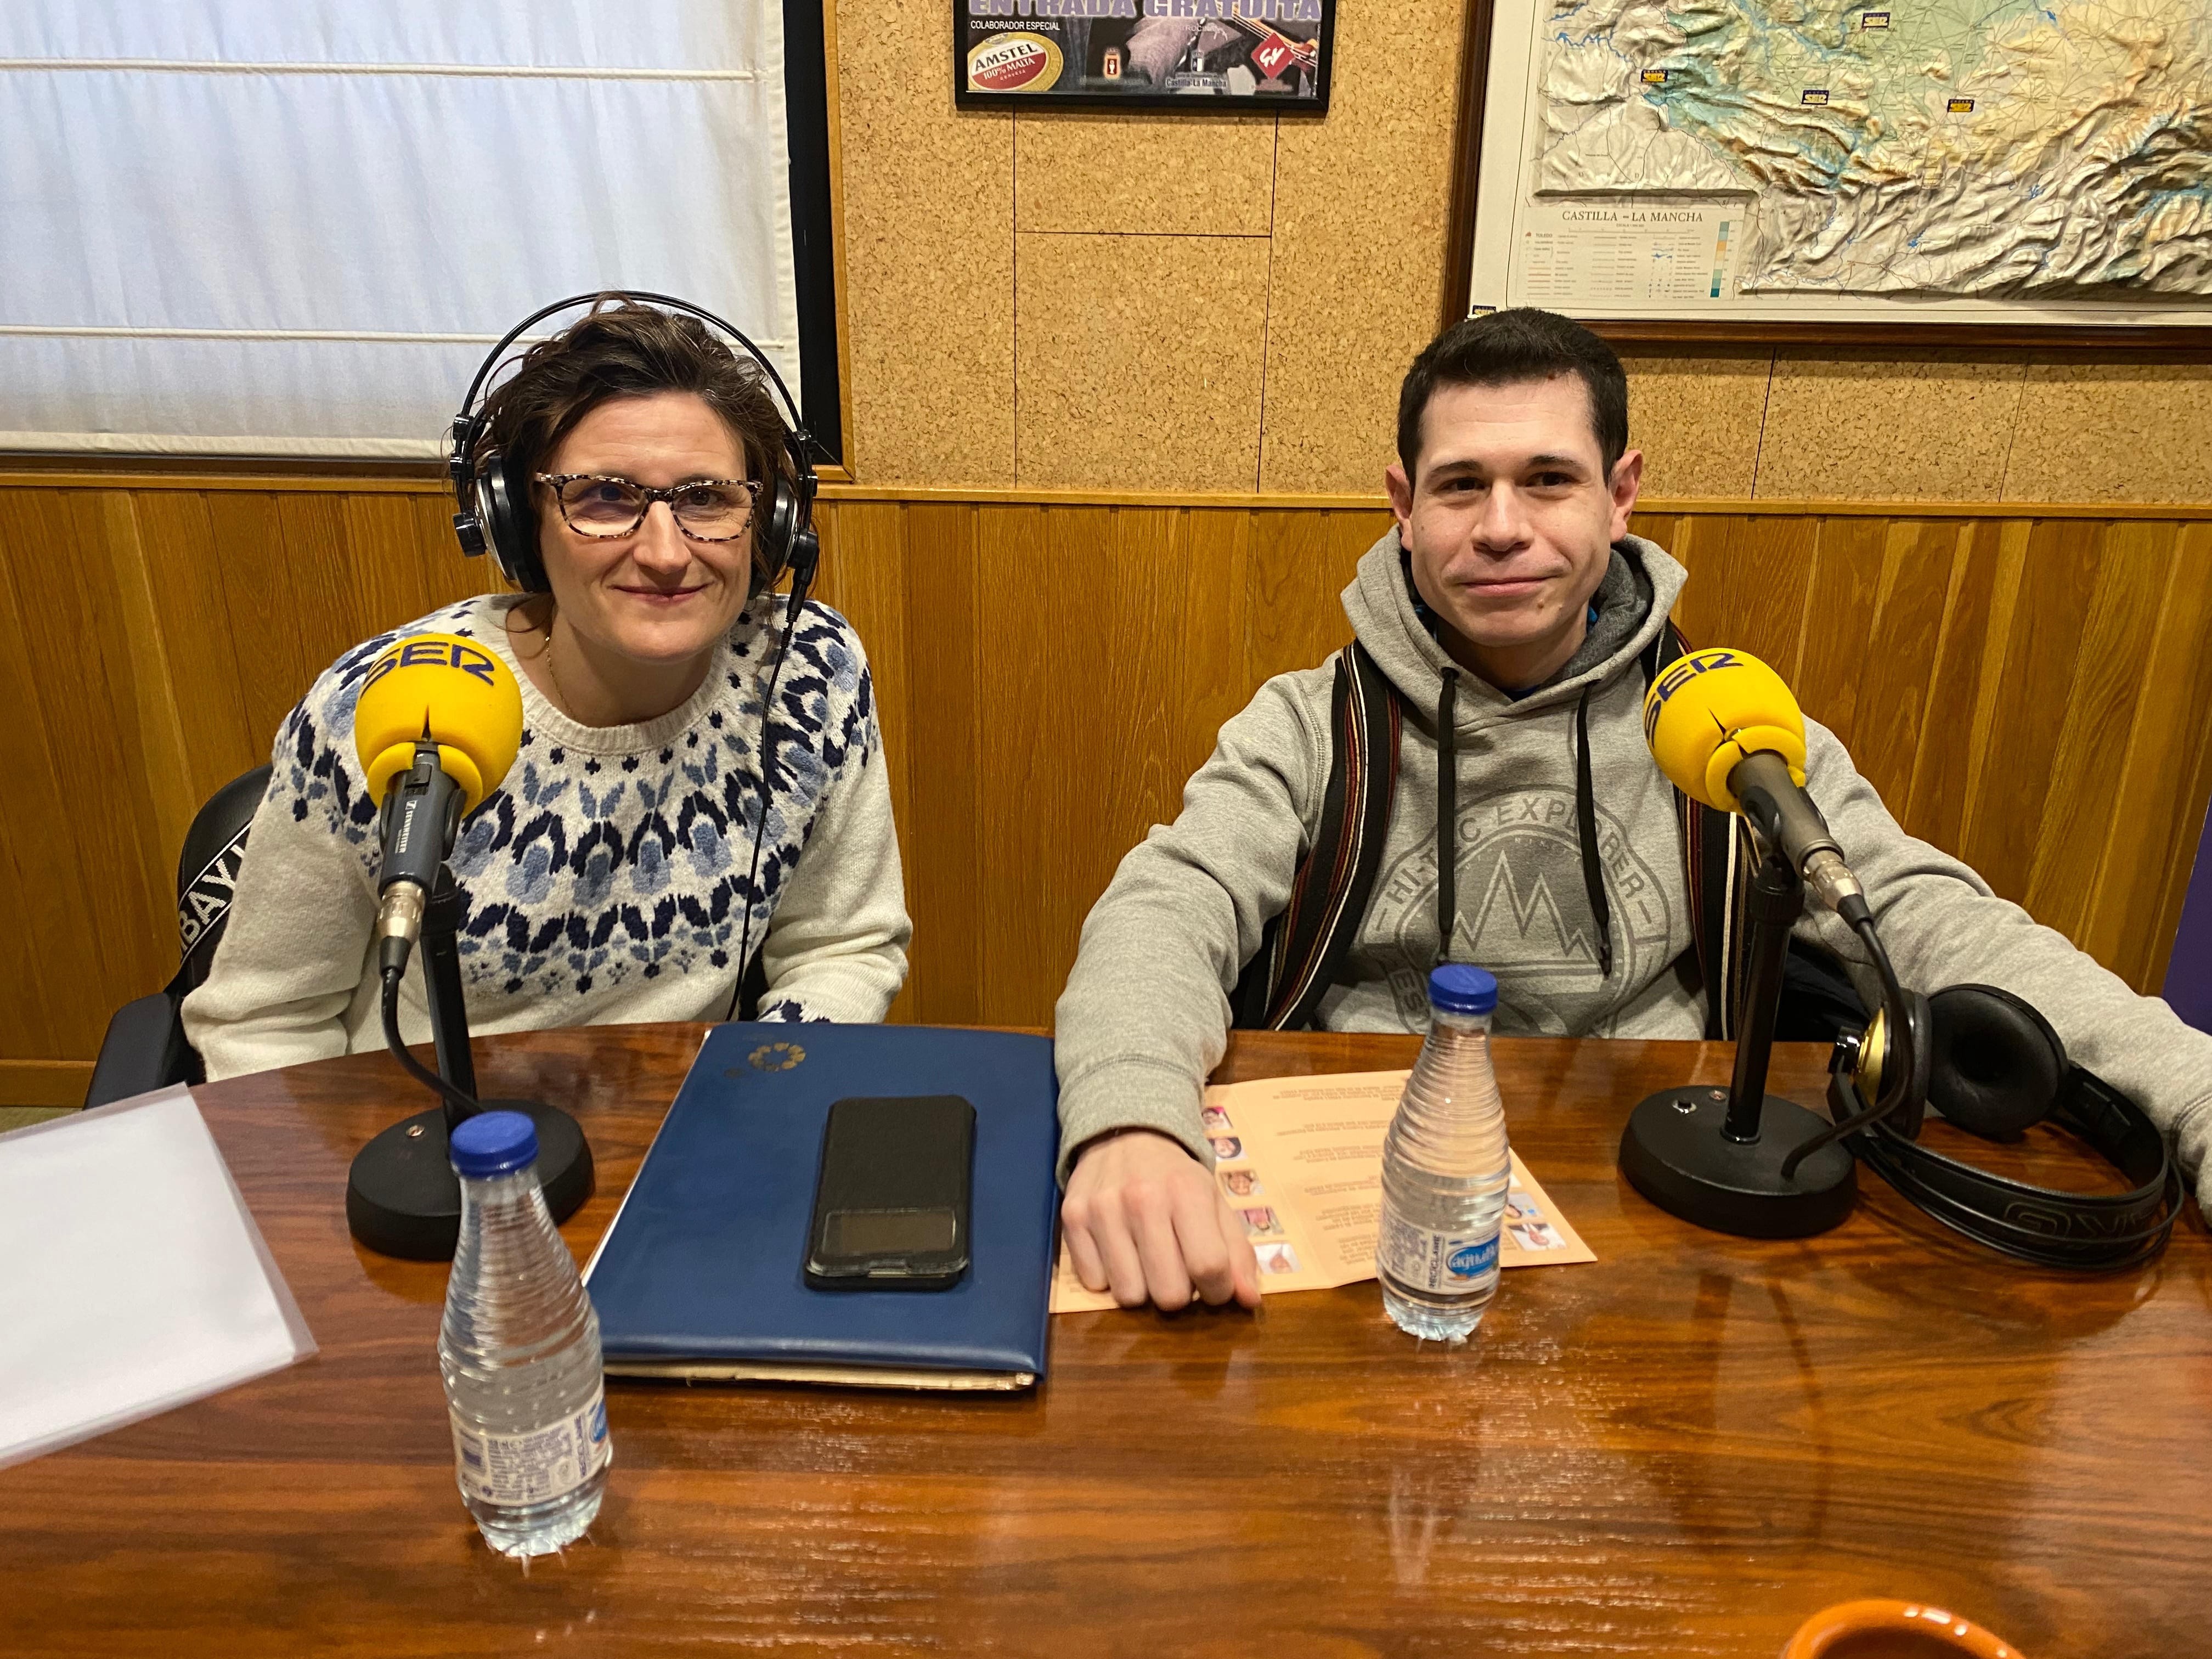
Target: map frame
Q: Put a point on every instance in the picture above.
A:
(1492, 163)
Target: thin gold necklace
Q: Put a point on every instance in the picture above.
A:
(560, 693)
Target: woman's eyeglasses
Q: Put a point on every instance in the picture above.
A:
(600, 504)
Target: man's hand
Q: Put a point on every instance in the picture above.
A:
(1145, 1219)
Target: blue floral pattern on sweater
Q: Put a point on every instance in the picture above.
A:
(633, 858)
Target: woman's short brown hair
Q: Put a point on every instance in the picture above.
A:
(622, 348)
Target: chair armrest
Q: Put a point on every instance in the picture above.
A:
(145, 1049)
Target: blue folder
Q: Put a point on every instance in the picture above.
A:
(701, 1274)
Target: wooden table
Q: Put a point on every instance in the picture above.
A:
(1682, 1449)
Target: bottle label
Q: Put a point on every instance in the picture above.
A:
(536, 1466)
(1424, 1260)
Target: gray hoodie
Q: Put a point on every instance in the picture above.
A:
(1144, 1017)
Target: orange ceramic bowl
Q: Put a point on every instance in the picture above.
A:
(1893, 1630)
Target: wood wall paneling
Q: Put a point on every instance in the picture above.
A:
(2129, 586)
(2034, 692)
(863, 573)
(1942, 773)
(1904, 623)
(2157, 787)
(944, 884)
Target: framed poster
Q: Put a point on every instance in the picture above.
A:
(1200, 56)
(1948, 171)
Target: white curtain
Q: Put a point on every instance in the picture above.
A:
(293, 227)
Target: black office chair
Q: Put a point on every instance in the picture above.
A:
(145, 1047)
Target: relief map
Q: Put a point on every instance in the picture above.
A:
(1941, 147)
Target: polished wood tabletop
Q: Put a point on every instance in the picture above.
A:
(1683, 1449)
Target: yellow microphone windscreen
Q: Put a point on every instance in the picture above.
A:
(1706, 712)
(451, 691)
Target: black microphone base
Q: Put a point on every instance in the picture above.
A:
(1672, 1151)
(404, 1200)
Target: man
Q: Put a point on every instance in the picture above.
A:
(1510, 594)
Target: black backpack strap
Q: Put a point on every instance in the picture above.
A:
(1717, 861)
(1282, 985)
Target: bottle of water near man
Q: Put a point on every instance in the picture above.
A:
(520, 1349)
(1445, 1168)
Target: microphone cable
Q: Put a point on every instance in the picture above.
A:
(465, 1104)
(1897, 1078)
(457, 1100)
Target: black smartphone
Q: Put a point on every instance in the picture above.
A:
(890, 1202)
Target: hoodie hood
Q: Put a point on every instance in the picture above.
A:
(1379, 604)
(1638, 590)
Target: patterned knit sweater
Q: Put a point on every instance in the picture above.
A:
(604, 882)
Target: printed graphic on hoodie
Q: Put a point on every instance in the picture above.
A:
(1523, 914)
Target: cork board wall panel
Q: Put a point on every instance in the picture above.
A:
(928, 196)
(1929, 425)
(1350, 209)
(1145, 175)
(1138, 360)
(969, 338)
(2112, 431)
(1698, 419)
(1362, 198)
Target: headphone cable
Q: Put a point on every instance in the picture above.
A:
(800, 581)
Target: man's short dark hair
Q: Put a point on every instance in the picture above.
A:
(1506, 348)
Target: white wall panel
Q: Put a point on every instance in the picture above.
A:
(294, 226)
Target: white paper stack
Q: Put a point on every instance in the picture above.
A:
(132, 1278)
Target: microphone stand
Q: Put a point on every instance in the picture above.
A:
(1715, 1157)
(442, 971)
(402, 1197)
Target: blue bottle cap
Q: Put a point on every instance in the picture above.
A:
(1459, 988)
(493, 1144)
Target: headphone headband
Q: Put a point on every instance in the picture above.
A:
(664, 301)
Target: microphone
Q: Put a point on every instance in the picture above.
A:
(436, 727)
(1727, 732)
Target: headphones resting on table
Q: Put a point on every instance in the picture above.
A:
(492, 508)
(1990, 1064)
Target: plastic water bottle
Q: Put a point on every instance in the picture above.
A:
(520, 1349)
(1445, 1168)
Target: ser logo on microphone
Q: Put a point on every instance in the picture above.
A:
(1698, 662)
(434, 653)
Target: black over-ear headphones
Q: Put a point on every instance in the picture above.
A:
(1995, 1067)
(492, 505)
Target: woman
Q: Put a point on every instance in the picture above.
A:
(609, 879)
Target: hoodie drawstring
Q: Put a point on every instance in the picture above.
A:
(1586, 829)
(1448, 827)
(1447, 815)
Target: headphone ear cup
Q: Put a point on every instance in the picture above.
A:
(1995, 1066)
(778, 529)
(1921, 1023)
(509, 526)
(805, 555)
(1871, 1060)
